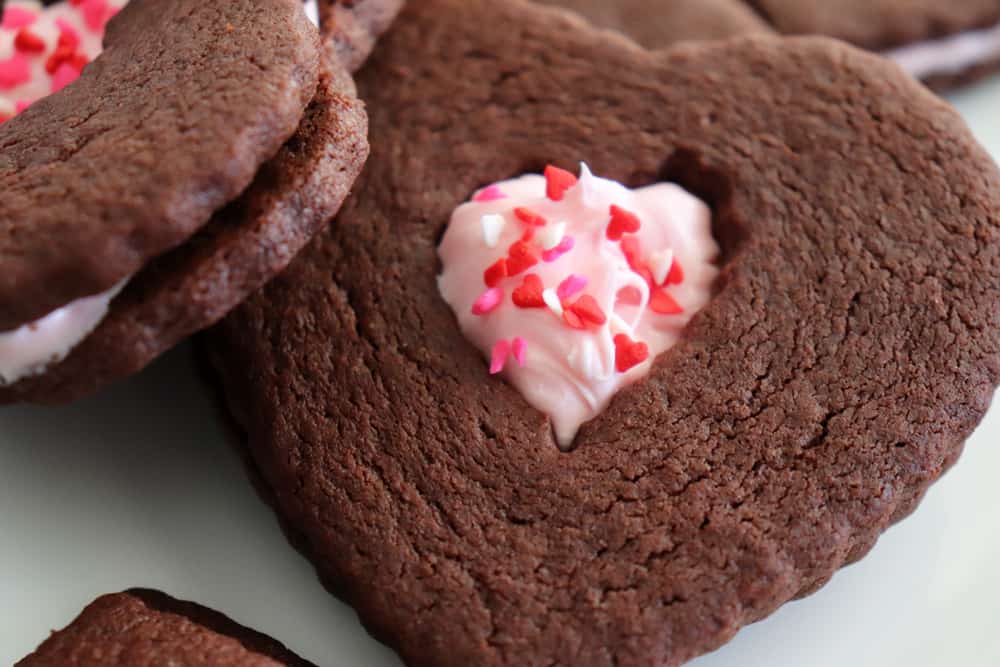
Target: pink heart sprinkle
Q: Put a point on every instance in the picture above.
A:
(488, 302)
(64, 75)
(491, 193)
(17, 17)
(520, 349)
(572, 285)
(14, 71)
(499, 357)
(564, 247)
(21, 105)
(95, 14)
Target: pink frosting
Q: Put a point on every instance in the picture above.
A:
(608, 280)
(949, 55)
(29, 350)
(55, 43)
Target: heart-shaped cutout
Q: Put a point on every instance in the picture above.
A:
(807, 407)
(624, 242)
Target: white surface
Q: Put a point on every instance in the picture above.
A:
(139, 487)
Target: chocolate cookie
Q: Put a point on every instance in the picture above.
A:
(167, 126)
(240, 248)
(140, 628)
(353, 26)
(849, 349)
(945, 43)
(657, 24)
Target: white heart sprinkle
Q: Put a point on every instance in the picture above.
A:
(551, 300)
(551, 235)
(493, 225)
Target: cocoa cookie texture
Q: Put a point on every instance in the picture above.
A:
(850, 349)
(246, 243)
(144, 628)
(353, 26)
(163, 129)
(661, 23)
(878, 25)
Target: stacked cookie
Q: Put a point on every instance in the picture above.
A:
(580, 371)
(193, 160)
(945, 44)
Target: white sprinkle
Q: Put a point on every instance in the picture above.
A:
(586, 183)
(618, 325)
(551, 300)
(551, 235)
(660, 264)
(312, 11)
(493, 225)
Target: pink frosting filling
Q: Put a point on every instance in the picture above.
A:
(572, 288)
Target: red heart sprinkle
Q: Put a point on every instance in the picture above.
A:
(661, 302)
(622, 222)
(557, 182)
(573, 320)
(78, 62)
(628, 353)
(521, 257)
(68, 37)
(529, 294)
(529, 217)
(28, 42)
(495, 273)
(632, 250)
(59, 56)
(676, 275)
(588, 310)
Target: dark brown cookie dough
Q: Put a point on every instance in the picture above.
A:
(661, 23)
(143, 628)
(353, 26)
(170, 123)
(240, 249)
(879, 25)
(852, 346)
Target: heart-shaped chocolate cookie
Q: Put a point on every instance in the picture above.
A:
(849, 348)
(945, 44)
(663, 23)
